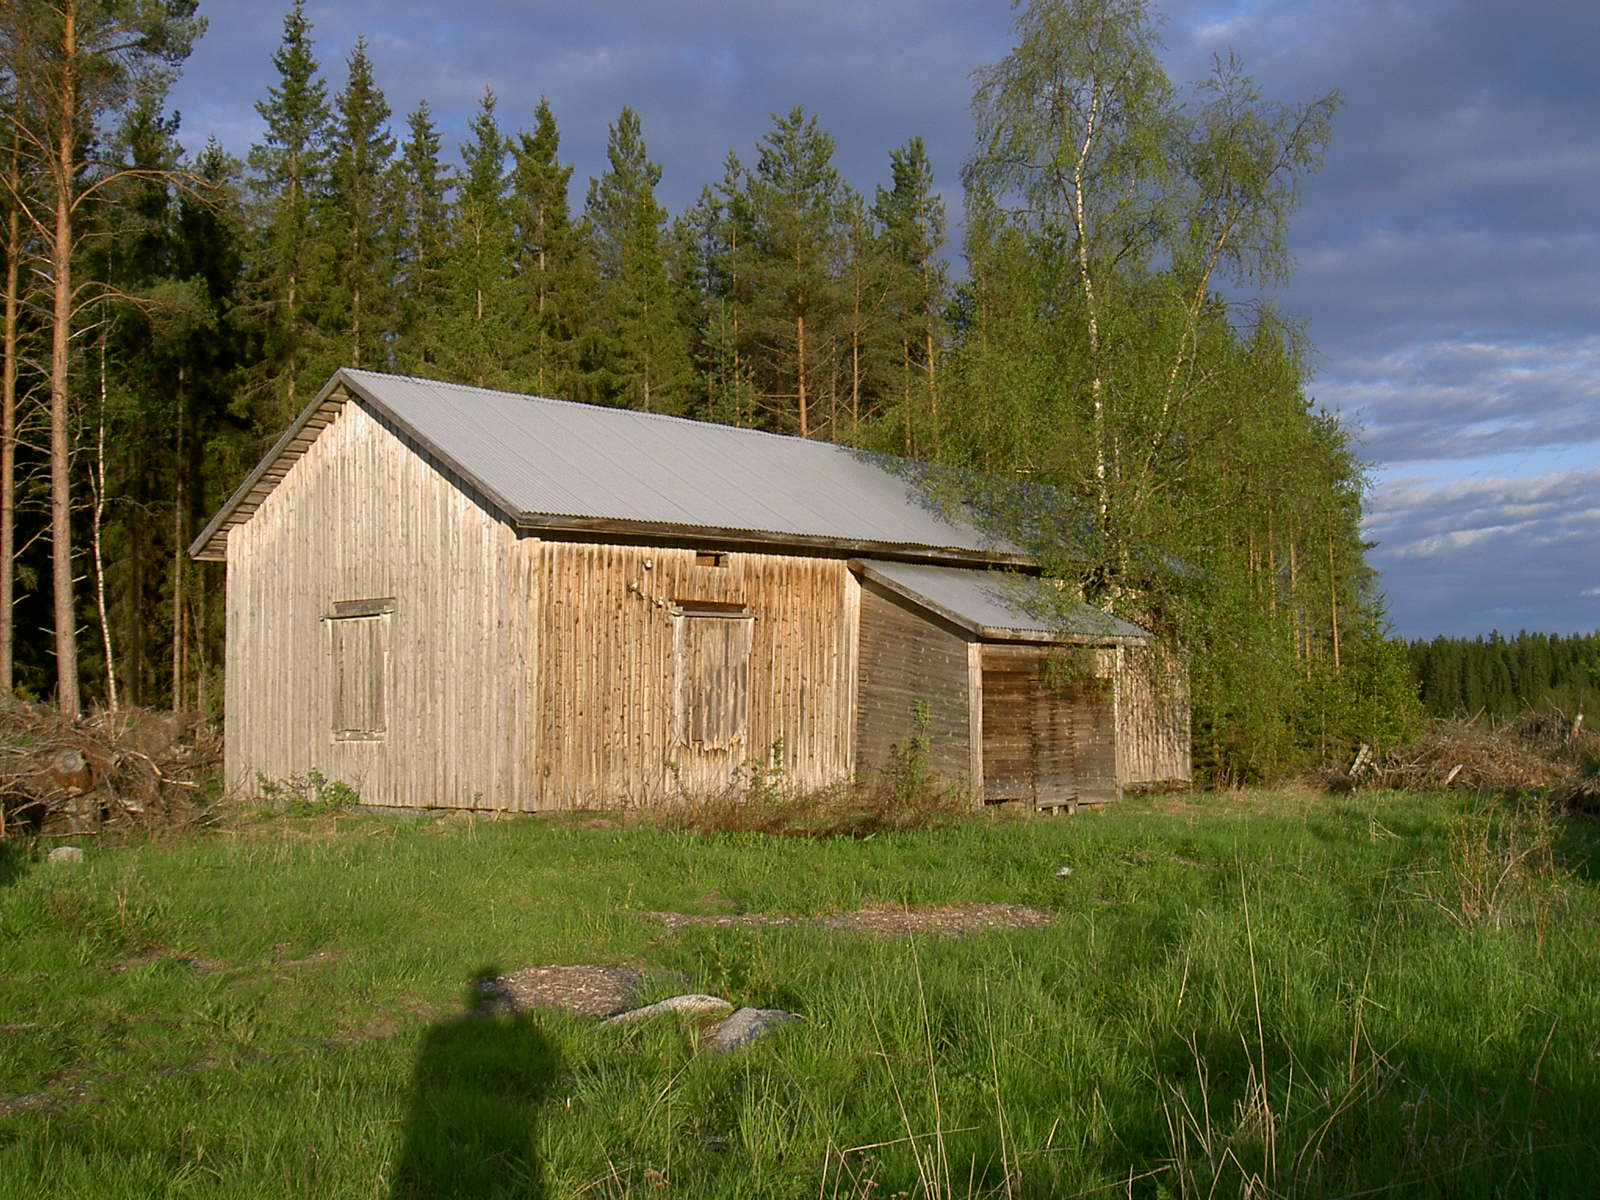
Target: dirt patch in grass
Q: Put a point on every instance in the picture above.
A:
(200, 966)
(32, 1102)
(583, 991)
(955, 920)
(317, 958)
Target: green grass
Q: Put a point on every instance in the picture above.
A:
(1383, 995)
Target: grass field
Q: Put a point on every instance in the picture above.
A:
(1243, 994)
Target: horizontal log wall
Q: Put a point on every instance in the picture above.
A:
(907, 659)
(363, 516)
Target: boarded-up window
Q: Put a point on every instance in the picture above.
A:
(711, 661)
(359, 640)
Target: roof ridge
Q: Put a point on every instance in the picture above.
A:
(630, 412)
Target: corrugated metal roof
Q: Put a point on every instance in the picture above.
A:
(992, 604)
(560, 459)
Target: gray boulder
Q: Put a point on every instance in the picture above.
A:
(693, 1004)
(744, 1026)
(69, 854)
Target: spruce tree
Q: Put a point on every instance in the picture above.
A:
(422, 244)
(477, 338)
(356, 222)
(639, 354)
(288, 177)
(16, 252)
(548, 257)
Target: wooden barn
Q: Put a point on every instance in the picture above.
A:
(453, 597)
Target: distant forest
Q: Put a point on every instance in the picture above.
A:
(1500, 677)
(167, 314)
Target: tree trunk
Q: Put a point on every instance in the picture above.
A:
(910, 439)
(179, 566)
(97, 525)
(8, 427)
(800, 373)
(1333, 604)
(63, 168)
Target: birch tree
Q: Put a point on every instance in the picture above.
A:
(1142, 205)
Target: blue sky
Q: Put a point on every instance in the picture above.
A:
(1448, 253)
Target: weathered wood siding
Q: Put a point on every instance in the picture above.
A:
(362, 520)
(386, 629)
(1048, 734)
(515, 673)
(908, 658)
(610, 727)
(1153, 739)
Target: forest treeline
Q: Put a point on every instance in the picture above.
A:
(1498, 676)
(1086, 384)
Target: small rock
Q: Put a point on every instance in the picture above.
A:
(1064, 872)
(693, 1004)
(66, 854)
(744, 1026)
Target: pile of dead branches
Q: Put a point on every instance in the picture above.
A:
(128, 769)
(1545, 752)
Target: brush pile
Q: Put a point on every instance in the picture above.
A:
(1537, 752)
(128, 769)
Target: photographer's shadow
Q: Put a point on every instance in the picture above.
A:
(480, 1082)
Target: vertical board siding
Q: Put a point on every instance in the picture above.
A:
(907, 659)
(362, 514)
(609, 727)
(1153, 743)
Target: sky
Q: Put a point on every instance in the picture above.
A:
(1448, 253)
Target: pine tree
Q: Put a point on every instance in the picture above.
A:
(73, 65)
(639, 355)
(796, 202)
(288, 177)
(913, 222)
(872, 332)
(707, 241)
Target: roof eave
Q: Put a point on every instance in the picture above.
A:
(757, 539)
(993, 633)
(201, 547)
(211, 544)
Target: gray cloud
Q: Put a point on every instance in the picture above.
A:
(1462, 558)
